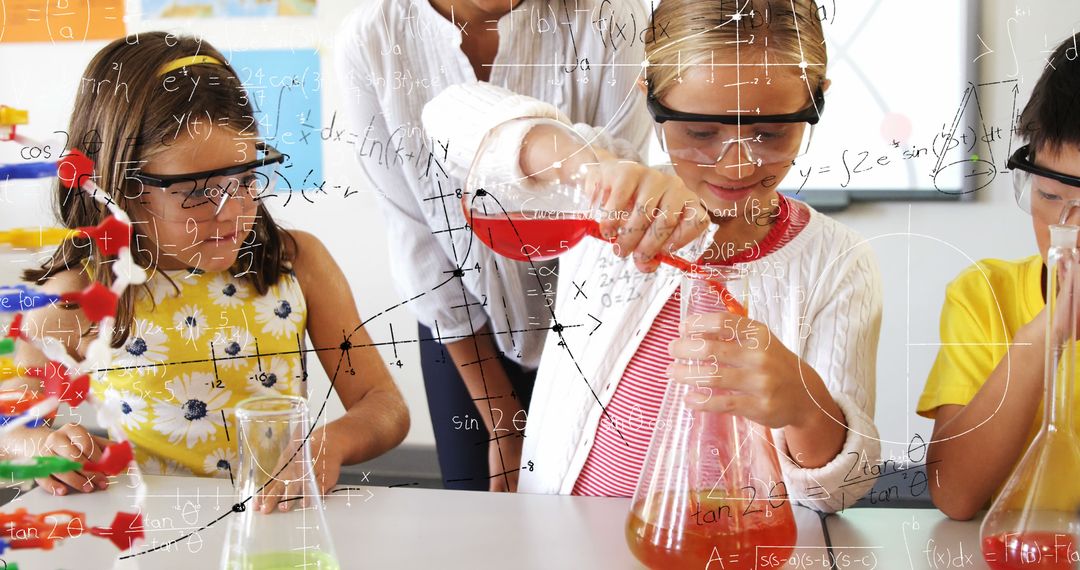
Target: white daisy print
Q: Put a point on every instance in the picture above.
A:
(129, 408)
(236, 341)
(147, 346)
(193, 414)
(277, 315)
(221, 462)
(162, 288)
(191, 322)
(225, 292)
(275, 377)
(154, 465)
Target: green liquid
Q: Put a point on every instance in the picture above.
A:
(312, 560)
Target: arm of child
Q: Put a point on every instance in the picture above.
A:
(975, 446)
(376, 418)
(69, 326)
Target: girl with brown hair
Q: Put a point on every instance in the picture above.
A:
(231, 296)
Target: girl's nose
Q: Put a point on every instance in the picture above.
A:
(737, 161)
(232, 207)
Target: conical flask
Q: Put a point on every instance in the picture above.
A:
(274, 448)
(1033, 524)
(711, 490)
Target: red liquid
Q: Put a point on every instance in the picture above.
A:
(545, 236)
(535, 238)
(1031, 551)
(730, 539)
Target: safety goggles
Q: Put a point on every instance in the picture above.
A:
(1040, 191)
(764, 139)
(200, 196)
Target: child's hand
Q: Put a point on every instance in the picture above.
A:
(645, 211)
(73, 442)
(742, 370)
(287, 487)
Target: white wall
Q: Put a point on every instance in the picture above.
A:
(921, 246)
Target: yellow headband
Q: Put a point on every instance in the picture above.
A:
(186, 61)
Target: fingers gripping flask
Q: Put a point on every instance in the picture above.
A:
(711, 494)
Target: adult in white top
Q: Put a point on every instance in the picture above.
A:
(394, 55)
(819, 292)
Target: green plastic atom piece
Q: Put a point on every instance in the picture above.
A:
(38, 467)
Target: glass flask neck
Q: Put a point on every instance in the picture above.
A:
(1063, 264)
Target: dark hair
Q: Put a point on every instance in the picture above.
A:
(1051, 118)
(126, 112)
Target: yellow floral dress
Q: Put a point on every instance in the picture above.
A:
(205, 345)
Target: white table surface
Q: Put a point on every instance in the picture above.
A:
(909, 539)
(372, 527)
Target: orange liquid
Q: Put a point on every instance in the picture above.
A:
(539, 239)
(1030, 551)
(716, 530)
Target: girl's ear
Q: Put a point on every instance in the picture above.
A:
(825, 85)
(642, 86)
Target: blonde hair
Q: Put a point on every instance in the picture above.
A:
(697, 32)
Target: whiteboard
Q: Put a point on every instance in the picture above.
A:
(903, 117)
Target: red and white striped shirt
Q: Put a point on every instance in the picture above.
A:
(613, 466)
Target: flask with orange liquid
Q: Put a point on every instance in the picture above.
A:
(711, 489)
(1033, 524)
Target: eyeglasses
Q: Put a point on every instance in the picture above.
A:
(706, 139)
(200, 196)
(1040, 191)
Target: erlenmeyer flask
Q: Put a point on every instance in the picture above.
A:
(711, 488)
(1033, 524)
(274, 446)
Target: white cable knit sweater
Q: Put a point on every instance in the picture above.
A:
(820, 295)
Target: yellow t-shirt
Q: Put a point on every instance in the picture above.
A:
(191, 357)
(984, 307)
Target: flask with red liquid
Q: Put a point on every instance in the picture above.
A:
(533, 192)
(526, 195)
(1033, 524)
(711, 494)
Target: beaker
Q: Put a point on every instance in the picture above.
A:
(1033, 523)
(711, 489)
(273, 445)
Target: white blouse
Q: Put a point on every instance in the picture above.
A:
(819, 294)
(394, 56)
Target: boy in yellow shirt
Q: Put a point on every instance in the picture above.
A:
(985, 388)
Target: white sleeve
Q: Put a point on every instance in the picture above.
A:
(842, 349)
(465, 114)
(425, 282)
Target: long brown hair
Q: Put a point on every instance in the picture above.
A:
(125, 113)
